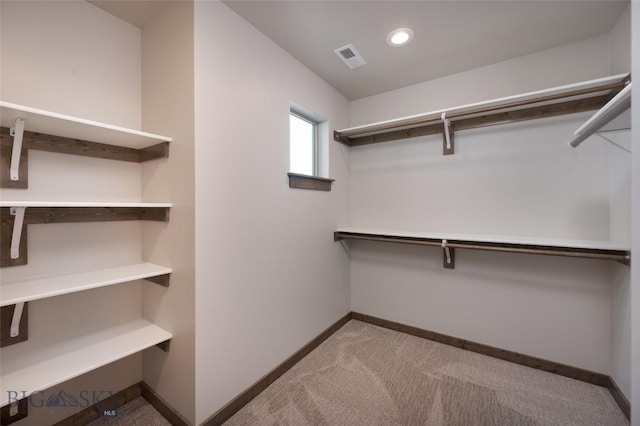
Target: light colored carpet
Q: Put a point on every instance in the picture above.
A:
(367, 375)
(137, 412)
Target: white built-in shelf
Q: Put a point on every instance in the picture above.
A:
(572, 98)
(79, 204)
(29, 289)
(53, 123)
(498, 239)
(17, 214)
(548, 246)
(72, 358)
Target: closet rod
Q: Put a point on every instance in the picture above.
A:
(585, 253)
(579, 95)
(616, 106)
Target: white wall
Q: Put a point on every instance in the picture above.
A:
(168, 108)
(621, 327)
(63, 56)
(620, 43)
(66, 53)
(635, 261)
(620, 216)
(269, 277)
(583, 60)
(518, 179)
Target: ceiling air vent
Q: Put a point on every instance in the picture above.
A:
(350, 56)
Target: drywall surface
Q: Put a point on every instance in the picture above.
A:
(269, 277)
(620, 230)
(635, 261)
(167, 100)
(620, 43)
(621, 327)
(619, 143)
(72, 58)
(620, 214)
(583, 60)
(58, 55)
(517, 179)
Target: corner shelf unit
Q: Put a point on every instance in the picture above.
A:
(587, 249)
(72, 358)
(49, 131)
(569, 99)
(23, 129)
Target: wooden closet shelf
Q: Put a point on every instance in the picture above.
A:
(72, 212)
(26, 290)
(579, 97)
(41, 121)
(13, 241)
(48, 131)
(552, 247)
(58, 204)
(65, 360)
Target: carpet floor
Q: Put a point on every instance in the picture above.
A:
(367, 375)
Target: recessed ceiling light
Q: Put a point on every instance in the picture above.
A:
(400, 37)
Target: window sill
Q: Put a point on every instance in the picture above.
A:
(315, 183)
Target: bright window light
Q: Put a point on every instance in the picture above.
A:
(302, 145)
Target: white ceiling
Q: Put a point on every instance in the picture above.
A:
(450, 36)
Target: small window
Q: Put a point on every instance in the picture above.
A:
(303, 146)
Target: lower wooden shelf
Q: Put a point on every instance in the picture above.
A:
(26, 290)
(75, 357)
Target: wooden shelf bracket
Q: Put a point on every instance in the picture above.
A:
(17, 131)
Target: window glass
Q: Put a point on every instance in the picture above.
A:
(302, 145)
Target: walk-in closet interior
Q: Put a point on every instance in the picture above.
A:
(475, 190)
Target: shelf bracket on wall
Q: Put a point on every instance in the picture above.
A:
(162, 280)
(16, 234)
(15, 324)
(14, 331)
(447, 142)
(164, 346)
(14, 411)
(449, 260)
(17, 131)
